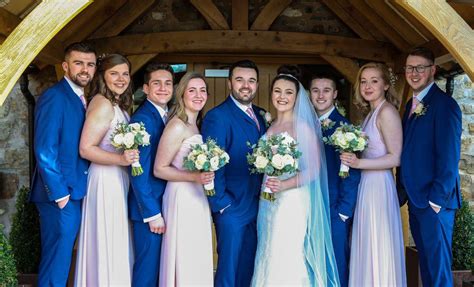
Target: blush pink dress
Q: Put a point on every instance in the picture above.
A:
(186, 250)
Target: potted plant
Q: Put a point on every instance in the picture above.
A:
(463, 246)
(7, 262)
(25, 238)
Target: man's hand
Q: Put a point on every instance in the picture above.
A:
(157, 225)
(62, 203)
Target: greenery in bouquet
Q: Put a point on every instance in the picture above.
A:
(274, 156)
(130, 136)
(347, 138)
(206, 157)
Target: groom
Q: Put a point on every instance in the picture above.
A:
(60, 179)
(144, 203)
(233, 124)
(342, 191)
(429, 167)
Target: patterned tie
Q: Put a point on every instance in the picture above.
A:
(83, 100)
(253, 117)
(414, 103)
(165, 117)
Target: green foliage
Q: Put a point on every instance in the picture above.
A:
(8, 274)
(463, 239)
(25, 234)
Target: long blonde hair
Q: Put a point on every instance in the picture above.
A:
(388, 79)
(178, 108)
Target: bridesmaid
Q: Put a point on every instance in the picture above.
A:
(104, 253)
(377, 257)
(186, 251)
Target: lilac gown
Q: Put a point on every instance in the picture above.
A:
(186, 250)
(104, 254)
(377, 257)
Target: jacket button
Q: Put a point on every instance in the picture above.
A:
(85, 172)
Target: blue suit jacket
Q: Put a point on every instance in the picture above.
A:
(342, 192)
(431, 152)
(146, 198)
(232, 129)
(60, 171)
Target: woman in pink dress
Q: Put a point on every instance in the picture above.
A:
(377, 257)
(186, 250)
(104, 255)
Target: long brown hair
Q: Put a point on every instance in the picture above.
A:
(99, 86)
(178, 108)
(390, 94)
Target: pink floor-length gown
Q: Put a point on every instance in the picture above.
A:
(377, 257)
(104, 254)
(186, 250)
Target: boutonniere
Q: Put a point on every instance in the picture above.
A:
(327, 124)
(267, 117)
(420, 110)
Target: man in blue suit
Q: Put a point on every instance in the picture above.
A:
(144, 202)
(429, 167)
(234, 206)
(342, 191)
(60, 178)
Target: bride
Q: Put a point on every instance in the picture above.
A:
(294, 242)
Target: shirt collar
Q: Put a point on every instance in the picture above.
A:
(78, 90)
(423, 92)
(240, 105)
(159, 109)
(327, 114)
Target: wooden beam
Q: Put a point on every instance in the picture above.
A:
(350, 21)
(89, 20)
(448, 27)
(138, 61)
(396, 22)
(268, 14)
(262, 42)
(30, 37)
(220, 60)
(346, 66)
(240, 15)
(122, 18)
(412, 21)
(211, 13)
(381, 25)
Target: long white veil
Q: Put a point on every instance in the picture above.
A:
(318, 248)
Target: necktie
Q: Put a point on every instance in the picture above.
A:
(165, 117)
(83, 100)
(253, 117)
(414, 103)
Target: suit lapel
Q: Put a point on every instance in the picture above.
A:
(73, 97)
(241, 119)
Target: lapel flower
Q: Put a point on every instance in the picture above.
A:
(267, 117)
(327, 124)
(420, 110)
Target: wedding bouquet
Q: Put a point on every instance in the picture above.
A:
(347, 138)
(274, 156)
(207, 156)
(130, 136)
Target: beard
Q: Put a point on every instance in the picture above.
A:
(246, 99)
(81, 82)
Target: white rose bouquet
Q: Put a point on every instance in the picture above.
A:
(207, 156)
(130, 136)
(347, 138)
(274, 156)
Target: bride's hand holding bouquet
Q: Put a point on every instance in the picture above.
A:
(274, 156)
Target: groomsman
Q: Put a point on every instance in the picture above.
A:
(144, 202)
(342, 191)
(60, 178)
(233, 124)
(429, 167)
